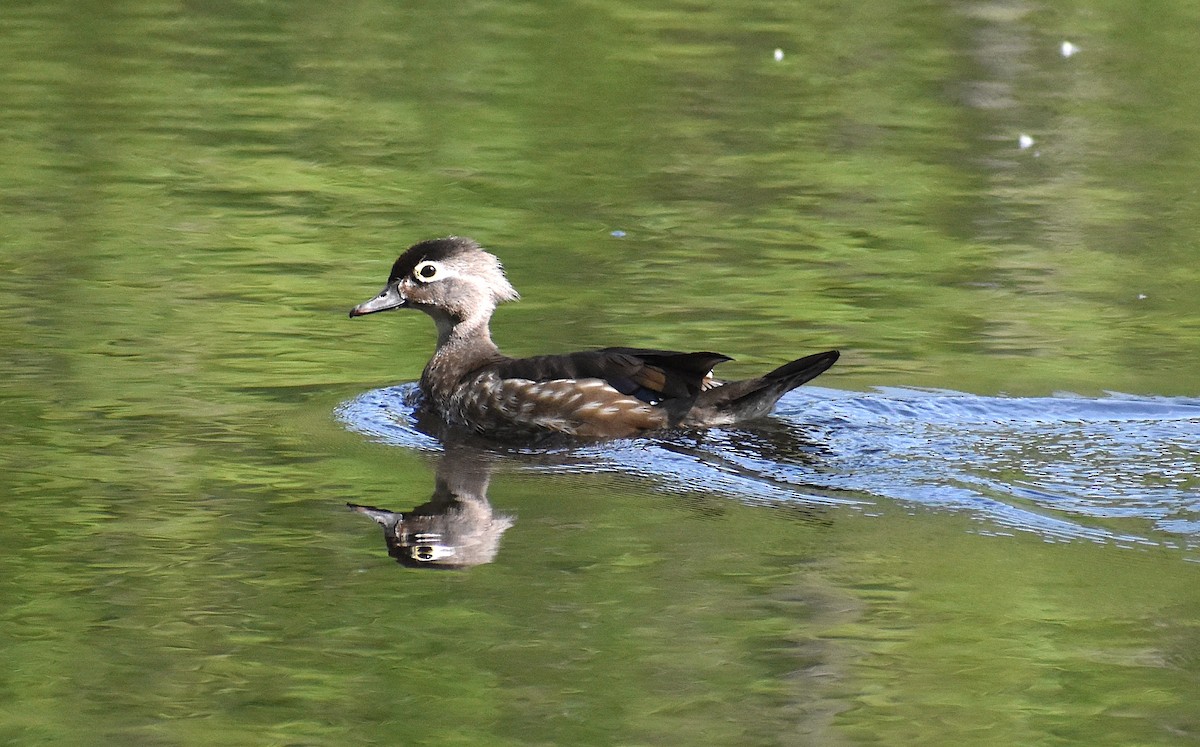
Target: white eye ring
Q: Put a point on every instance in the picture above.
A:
(426, 271)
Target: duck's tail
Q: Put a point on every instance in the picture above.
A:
(752, 398)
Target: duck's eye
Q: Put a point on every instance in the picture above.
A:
(425, 271)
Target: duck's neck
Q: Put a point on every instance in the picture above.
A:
(463, 346)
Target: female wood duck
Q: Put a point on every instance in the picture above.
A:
(609, 393)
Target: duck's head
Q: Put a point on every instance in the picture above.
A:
(451, 279)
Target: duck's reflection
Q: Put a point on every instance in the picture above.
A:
(456, 528)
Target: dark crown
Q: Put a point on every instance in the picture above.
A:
(435, 250)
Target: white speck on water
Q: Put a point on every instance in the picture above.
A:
(779, 55)
(1068, 49)
(1025, 141)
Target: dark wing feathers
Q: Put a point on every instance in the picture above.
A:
(693, 364)
(649, 375)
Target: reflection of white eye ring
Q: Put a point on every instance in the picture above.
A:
(426, 271)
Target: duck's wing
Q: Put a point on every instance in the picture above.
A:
(652, 376)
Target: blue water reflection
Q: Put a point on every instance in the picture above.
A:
(1117, 469)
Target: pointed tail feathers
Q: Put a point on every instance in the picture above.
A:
(803, 370)
(753, 398)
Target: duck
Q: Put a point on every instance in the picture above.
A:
(610, 393)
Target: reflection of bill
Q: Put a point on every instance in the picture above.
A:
(455, 529)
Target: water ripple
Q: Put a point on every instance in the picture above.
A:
(1118, 468)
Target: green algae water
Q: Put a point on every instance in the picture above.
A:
(981, 527)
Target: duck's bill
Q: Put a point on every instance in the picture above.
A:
(380, 515)
(389, 298)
